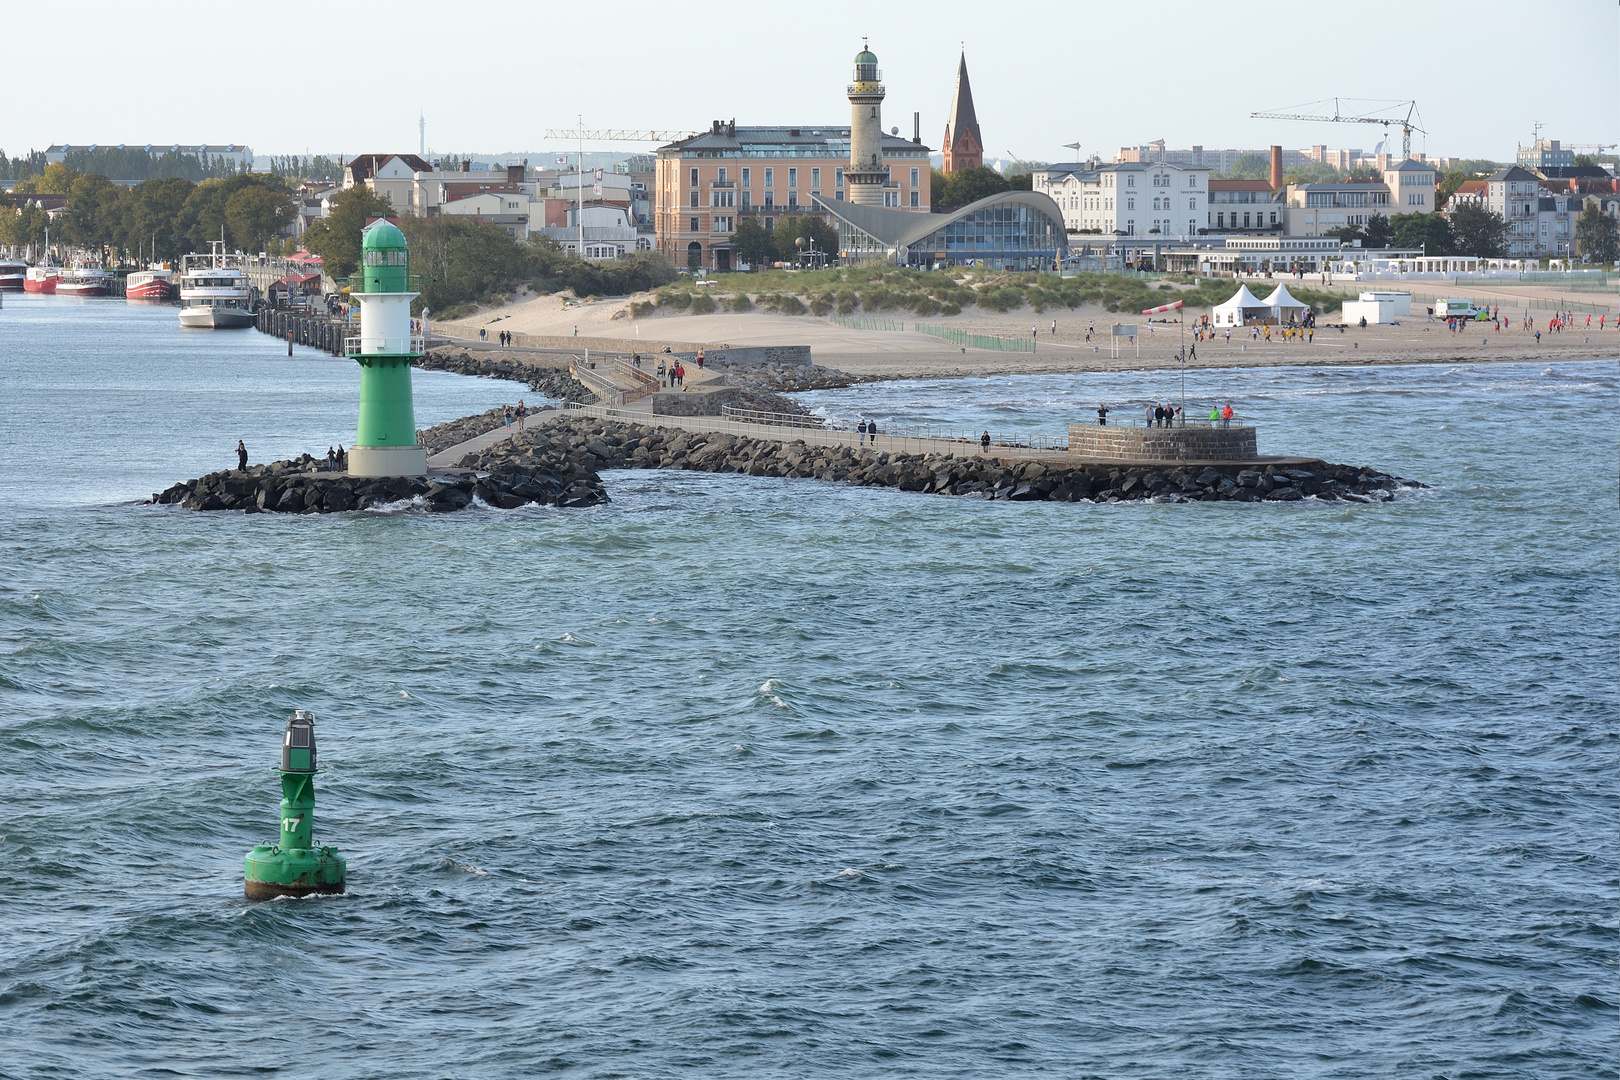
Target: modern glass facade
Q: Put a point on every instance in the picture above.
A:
(1009, 236)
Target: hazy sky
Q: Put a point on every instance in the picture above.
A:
(492, 78)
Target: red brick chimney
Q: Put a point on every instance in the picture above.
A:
(1276, 167)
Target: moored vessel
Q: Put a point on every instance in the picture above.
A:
(214, 290)
(41, 279)
(85, 281)
(12, 275)
(153, 284)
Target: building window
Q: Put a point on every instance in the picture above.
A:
(722, 174)
(915, 197)
(770, 179)
(1220, 221)
(793, 178)
(916, 175)
(694, 200)
(891, 198)
(838, 178)
(1130, 204)
(694, 178)
(723, 224)
(1130, 181)
(747, 199)
(770, 198)
(815, 178)
(793, 198)
(694, 225)
(745, 180)
(1192, 204)
(770, 223)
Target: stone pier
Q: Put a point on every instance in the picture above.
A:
(1195, 443)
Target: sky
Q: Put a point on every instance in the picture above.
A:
(350, 78)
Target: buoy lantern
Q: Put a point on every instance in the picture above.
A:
(294, 865)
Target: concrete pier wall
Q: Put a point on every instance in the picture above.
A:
(1162, 444)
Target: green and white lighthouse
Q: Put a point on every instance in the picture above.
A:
(385, 350)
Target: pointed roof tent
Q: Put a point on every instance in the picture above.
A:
(1242, 306)
(1281, 298)
(964, 146)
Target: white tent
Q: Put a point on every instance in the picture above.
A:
(1242, 307)
(1284, 306)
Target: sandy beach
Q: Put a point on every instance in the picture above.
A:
(909, 354)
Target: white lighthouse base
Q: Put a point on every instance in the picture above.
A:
(387, 461)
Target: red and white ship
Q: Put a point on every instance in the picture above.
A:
(153, 284)
(41, 279)
(12, 275)
(85, 281)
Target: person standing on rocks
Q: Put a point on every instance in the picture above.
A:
(331, 460)
(984, 443)
(241, 454)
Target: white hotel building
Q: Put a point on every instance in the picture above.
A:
(1129, 198)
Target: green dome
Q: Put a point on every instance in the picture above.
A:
(866, 56)
(382, 235)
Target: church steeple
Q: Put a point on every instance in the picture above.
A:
(964, 147)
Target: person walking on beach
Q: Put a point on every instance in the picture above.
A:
(576, 329)
(984, 443)
(1102, 415)
(1054, 326)
(241, 454)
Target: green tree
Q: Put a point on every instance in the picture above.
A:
(751, 243)
(1348, 234)
(970, 185)
(1429, 232)
(255, 214)
(1597, 236)
(151, 223)
(1248, 167)
(336, 238)
(57, 179)
(936, 187)
(93, 216)
(1447, 187)
(790, 228)
(1378, 232)
(1022, 181)
(1476, 230)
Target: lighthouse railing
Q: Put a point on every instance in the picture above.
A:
(415, 345)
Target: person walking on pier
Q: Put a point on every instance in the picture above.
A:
(1102, 415)
(1226, 415)
(522, 411)
(241, 454)
(860, 429)
(663, 370)
(984, 443)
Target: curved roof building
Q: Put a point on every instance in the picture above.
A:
(1014, 230)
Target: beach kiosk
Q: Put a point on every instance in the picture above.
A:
(1243, 306)
(1285, 307)
(385, 350)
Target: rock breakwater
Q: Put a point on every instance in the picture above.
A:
(551, 382)
(299, 487)
(599, 445)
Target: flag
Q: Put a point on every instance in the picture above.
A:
(562, 161)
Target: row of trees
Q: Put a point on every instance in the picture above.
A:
(116, 163)
(758, 246)
(460, 261)
(1474, 230)
(162, 218)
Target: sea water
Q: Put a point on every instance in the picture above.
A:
(741, 776)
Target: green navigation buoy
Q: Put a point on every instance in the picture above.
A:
(295, 866)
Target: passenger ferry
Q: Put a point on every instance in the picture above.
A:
(85, 281)
(214, 290)
(12, 275)
(154, 284)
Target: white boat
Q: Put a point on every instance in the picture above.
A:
(11, 275)
(85, 281)
(214, 290)
(154, 283)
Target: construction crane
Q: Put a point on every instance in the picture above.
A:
(617, 135)
(1404, 123)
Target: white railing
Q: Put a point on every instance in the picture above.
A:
(416, 345)
(1013, 440)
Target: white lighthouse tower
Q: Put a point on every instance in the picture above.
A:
(866, 175)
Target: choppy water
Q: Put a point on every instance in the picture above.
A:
(742, 776)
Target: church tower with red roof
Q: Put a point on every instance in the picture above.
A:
(964, 148)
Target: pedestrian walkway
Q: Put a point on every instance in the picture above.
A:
(447, 458)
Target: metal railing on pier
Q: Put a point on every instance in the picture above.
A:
(1017, 440)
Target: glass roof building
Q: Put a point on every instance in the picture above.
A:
(1015, 230)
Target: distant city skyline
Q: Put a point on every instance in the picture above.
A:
(1042, 77)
